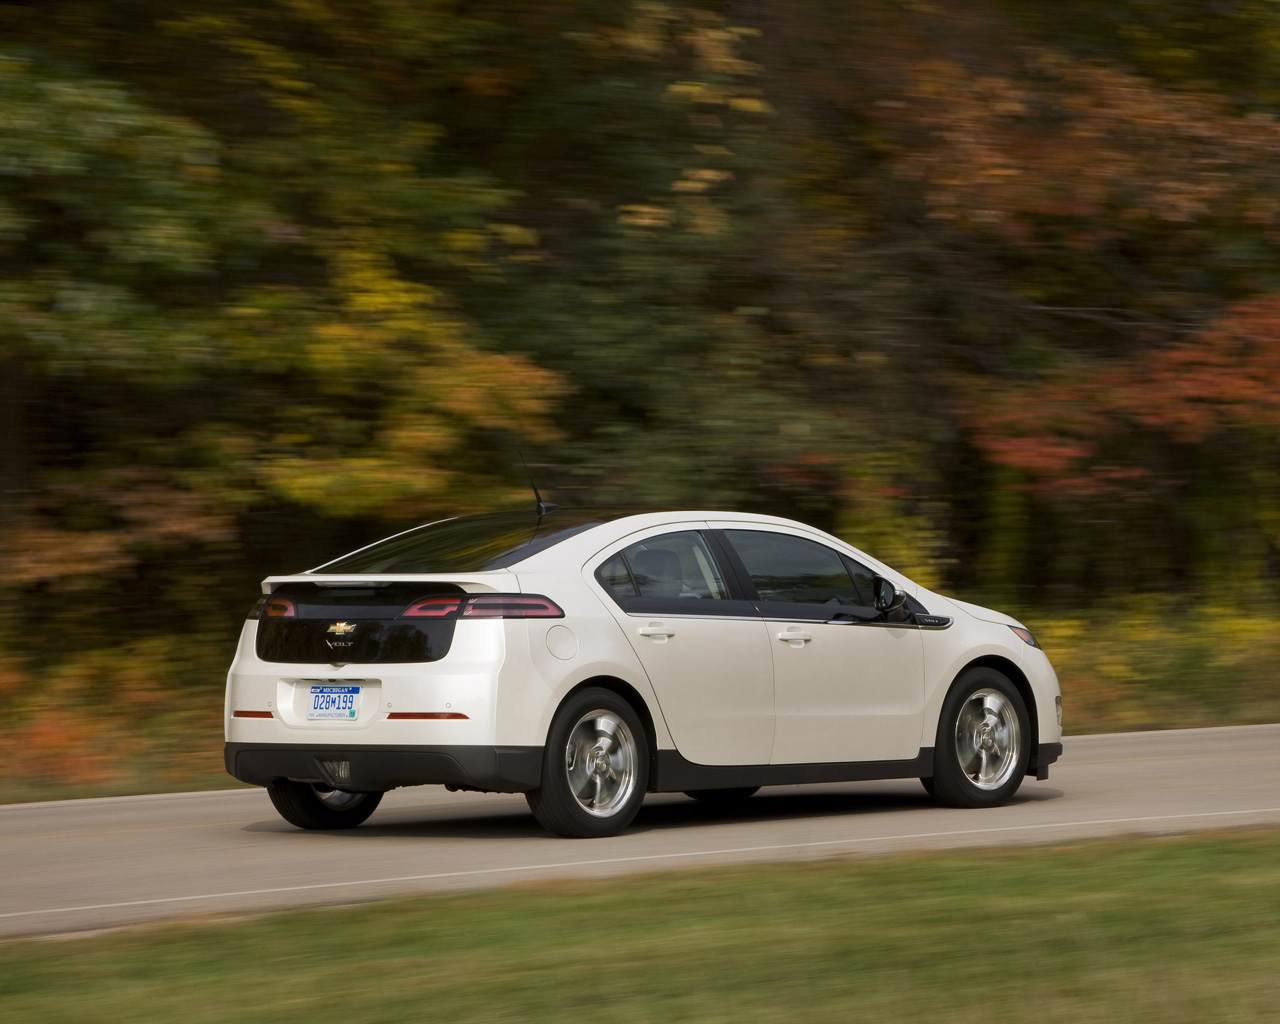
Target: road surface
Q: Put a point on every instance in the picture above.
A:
(79, 865)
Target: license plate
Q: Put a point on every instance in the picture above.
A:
(341, 703)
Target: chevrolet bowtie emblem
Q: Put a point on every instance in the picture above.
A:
(341, 628)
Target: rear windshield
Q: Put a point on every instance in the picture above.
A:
(467, 544)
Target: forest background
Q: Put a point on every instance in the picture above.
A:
(991, 290)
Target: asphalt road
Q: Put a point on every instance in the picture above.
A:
(78, 865)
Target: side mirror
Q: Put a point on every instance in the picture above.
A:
(888, 598)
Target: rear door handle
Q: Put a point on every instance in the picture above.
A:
(795, 637)
(658, 631)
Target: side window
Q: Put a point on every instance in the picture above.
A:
(615, 575)
(796, 570)
(673, 565)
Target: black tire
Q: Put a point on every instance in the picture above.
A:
(309, 805)
(595, 768)
(983, 742)
(723, 796)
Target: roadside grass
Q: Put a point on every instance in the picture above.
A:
(1183, 929)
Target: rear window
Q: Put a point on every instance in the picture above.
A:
(467, 544)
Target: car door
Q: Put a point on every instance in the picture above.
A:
(848, 686)
(705, 650)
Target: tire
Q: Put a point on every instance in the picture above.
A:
(595, 768)
(723, 796)
(310, 805)
(983, 743)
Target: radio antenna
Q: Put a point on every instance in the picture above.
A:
(543, 506)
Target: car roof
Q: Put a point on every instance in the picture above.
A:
(522, 538)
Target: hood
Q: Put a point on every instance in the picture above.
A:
(985, 614)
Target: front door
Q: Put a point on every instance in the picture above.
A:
(847, 687)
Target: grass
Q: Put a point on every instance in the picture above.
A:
(1139, 930)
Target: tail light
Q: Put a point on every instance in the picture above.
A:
(441, 607)
(484, 606)
(511, 606)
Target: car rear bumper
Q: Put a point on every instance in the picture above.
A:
(379, 768)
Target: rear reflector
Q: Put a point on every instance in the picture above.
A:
(426, 714)
(251, 714)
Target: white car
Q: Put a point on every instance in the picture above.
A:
(587, 658)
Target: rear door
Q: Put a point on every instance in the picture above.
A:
(847, 686)
(704, 647)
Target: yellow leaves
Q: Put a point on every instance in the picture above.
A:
(345, 486)
(731, 96)
(281, 75)
(514, 234)
(368, 283)
(639, 215)
(701, 217)
(694, 92)
(699, 179)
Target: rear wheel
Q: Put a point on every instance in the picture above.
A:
(310, 805)
(595, 769)
(983, 742)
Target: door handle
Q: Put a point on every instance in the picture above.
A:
(658, 631)
(795, 637)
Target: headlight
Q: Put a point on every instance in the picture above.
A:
(1025, 635)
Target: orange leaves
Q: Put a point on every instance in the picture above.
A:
(62, 747)
(1225, 377)
(1004, 139)
(141, 510)
(1228, 375)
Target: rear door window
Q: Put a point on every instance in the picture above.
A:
(673, 573)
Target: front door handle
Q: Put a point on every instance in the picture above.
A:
(795, 637)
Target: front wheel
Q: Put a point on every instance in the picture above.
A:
(310, 805)
(983, 742)
(595, 768)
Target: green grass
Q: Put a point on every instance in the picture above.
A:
(1142, 930)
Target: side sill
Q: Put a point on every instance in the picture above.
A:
(673, 774)
(379, 768)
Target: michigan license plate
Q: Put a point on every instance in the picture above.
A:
(340, 703)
